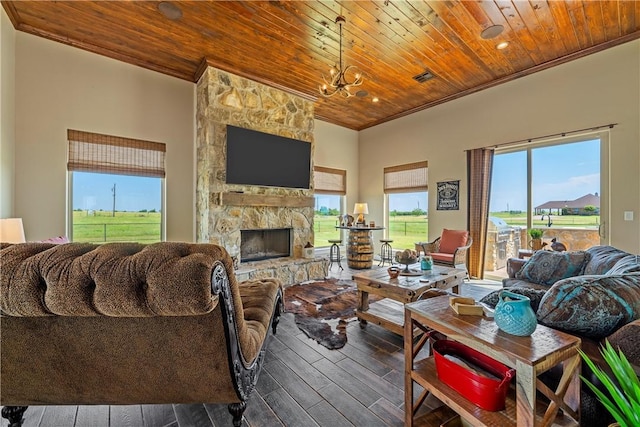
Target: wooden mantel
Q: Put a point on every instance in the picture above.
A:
(245, 199)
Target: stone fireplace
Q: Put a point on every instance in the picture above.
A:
(224, 210)
(258, 245)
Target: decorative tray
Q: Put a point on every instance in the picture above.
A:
(411, 272)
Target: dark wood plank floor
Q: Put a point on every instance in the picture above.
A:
(301, 384)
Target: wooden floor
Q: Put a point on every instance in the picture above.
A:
(302, 384)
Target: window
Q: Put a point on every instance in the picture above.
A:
(555, 186)
(116, 188)
(330, 186)
(405, 188)
(565, 193)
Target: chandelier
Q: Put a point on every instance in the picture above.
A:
(339, 81)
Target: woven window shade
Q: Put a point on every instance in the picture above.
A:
(92, 152)
(403, 178)
(329, 181)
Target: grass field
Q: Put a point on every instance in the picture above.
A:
(579, 221)
(100, 226)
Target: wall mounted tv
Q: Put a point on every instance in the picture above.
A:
(258, 158)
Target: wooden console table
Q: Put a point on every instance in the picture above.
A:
(530, 356)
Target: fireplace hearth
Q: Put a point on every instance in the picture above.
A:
(258, 245)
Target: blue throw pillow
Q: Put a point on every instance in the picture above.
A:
(547, 267)
(591, 306)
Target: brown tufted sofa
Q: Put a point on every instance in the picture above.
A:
(125, 323)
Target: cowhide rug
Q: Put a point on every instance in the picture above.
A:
(323, 309)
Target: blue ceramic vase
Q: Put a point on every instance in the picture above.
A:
(514, 315)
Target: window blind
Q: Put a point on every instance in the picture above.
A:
(408, 177)
(329, 181)
(92, 152)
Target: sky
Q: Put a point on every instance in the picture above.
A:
(560, 172)
(554, 178)
(93, 191)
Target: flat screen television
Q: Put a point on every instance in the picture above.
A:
(258, 158)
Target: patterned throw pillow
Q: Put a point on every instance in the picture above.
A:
(626, 265)
(547, 267)
(534, 295)
(591, 306)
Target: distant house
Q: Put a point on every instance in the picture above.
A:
(570, 207)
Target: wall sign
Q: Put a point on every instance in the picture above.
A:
(448, 195)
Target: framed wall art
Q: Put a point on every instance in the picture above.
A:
(448, 195)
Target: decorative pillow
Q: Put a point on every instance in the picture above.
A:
(547, 267)
(591, 306)
(57, 240)
(534, 295)
(602, 259)
(452, 240)
(626, 265)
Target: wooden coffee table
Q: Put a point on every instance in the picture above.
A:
(389, 312)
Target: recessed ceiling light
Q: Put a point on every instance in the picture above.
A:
(375, 99)
(492, 31)
(170, 10)
(502, 45)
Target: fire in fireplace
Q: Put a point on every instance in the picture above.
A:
(257, 245)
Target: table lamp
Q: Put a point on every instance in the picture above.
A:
(11, 230)
(360, 209)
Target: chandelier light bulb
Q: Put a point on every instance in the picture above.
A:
(338, 82)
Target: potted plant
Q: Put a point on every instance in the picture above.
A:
(536, 238)
(623, 397)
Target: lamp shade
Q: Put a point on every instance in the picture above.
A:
(361, 208)
(11, 230)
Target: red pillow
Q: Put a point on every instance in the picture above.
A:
(452, 240)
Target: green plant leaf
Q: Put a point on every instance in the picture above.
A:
(623, 402)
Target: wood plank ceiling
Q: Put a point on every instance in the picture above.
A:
(290, 44)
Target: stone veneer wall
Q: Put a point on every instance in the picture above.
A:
(222, 99)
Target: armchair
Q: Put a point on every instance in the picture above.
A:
(449, 249)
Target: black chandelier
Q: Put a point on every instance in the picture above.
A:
(339, 83)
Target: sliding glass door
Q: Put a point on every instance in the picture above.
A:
(558, 187)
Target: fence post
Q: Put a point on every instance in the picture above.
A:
(104, 232)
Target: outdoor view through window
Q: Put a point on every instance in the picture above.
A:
(565, 204)
(565, 185)
(116, 208)
(326, 218)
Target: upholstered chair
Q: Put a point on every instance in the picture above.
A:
(449, 249)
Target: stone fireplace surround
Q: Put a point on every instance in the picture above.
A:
(223, 210)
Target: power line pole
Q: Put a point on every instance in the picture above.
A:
(113, 190)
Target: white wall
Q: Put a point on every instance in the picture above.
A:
(598, 89)
(337, 147)
(7, 116)
(59, 87)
